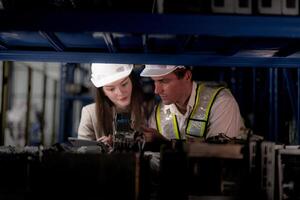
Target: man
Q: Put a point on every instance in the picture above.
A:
(188, 110)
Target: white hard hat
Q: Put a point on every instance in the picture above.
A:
(103, 74)
(158, 70)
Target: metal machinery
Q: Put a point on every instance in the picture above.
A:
(280, 170)
(210, 171)
(257, 54)
(51, 173)
(187, 171)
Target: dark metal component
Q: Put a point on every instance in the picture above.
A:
(53, 135)
(28, 104)
(4, 99)
(43, 114)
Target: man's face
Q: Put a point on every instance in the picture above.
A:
(169, 88)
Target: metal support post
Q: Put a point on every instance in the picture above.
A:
(4, 97)
(53, 137)
(43, 109)
(273, 104)
(268, 169)
(27, 125)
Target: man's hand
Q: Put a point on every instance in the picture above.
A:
(152, 135)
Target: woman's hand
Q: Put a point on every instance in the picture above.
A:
(106, 140)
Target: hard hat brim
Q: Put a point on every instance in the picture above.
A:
(149, 72)
(111, 79)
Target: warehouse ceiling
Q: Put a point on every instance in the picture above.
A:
(144, 32)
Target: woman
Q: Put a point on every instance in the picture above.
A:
(117, 91)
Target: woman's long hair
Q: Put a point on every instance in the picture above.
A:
(105, 110)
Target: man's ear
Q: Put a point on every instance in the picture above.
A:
(188, 75)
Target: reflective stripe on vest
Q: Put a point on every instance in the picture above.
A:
(197, 122)
(198, 119)
(170, 128)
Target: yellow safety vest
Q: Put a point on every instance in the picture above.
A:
(167, 124)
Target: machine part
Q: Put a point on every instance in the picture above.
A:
(4, 99)
(123, 122)
(89, 146)
(227, 151)
(125, 138)
(252, 155)
(288, 160)
(267, 168)
(128, 141)
(140, 140)
(123, 141)
(221, 138)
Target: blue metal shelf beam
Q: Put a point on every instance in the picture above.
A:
(145, 42)
(214, 25)
(290, 49)
(110, 42)
(183, 43)
(53, 40)
(180, 59)
(3, 46)
(237, 29)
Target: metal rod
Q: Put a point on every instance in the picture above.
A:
(4, 97)
(53, 137)
(271, 103)
(298, 106)
(254, 97)
(199, 60)
(290, 86)
(27, 135)
(43, 109)
(63, 74)
(276, 116)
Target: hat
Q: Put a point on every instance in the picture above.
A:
(158, 70)
(103, 74)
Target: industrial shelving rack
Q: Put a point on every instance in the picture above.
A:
(252, 45)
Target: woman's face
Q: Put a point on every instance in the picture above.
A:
(119, 92)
